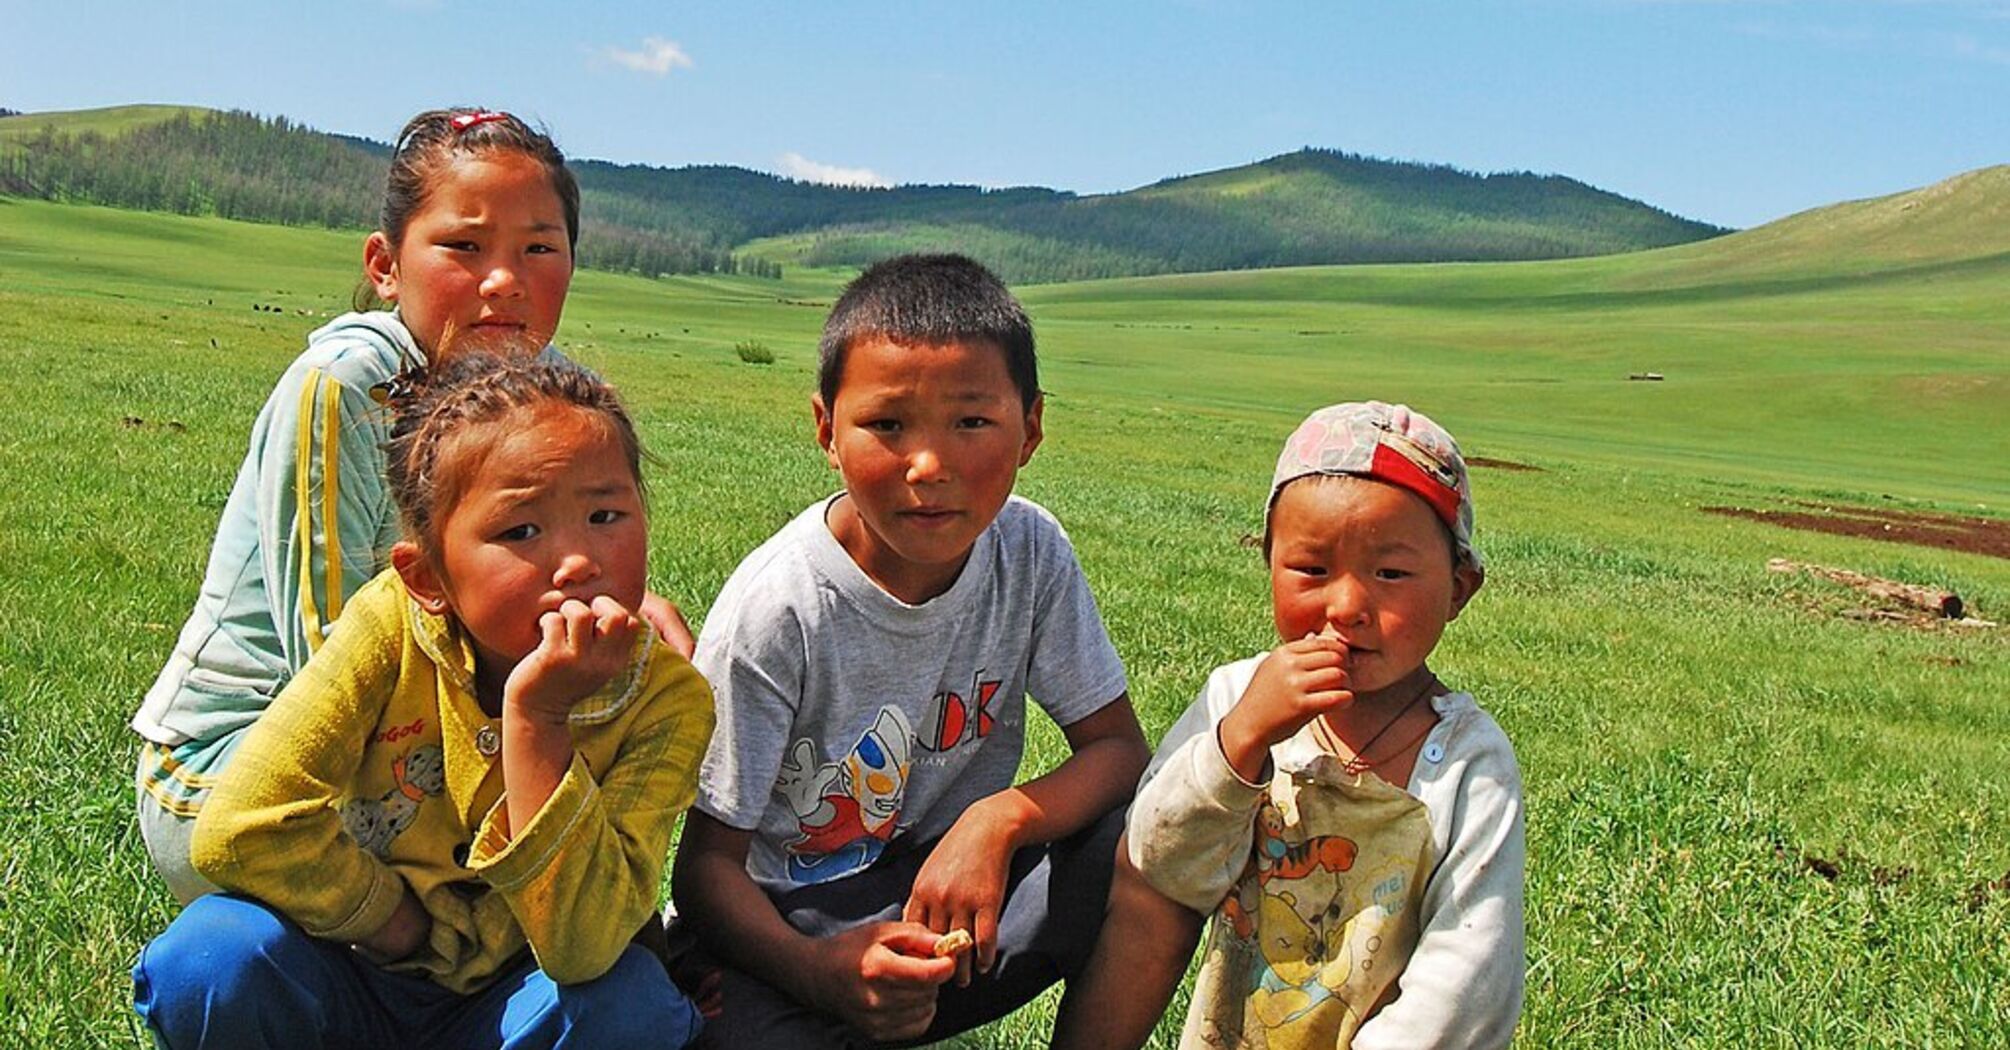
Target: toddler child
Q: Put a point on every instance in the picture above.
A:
(1354, 825)
(872, 661)
(479, 221)
(488, 755)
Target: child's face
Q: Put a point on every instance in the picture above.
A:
(486, 256)
(1369, 563)
(550, 511)
(929, 440)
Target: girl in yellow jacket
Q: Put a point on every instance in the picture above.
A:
(449, 825)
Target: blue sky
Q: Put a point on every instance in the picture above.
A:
(1731, 111)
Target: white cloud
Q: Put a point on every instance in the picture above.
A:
(656, 58)
(797, 166)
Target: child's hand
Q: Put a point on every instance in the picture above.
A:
(663, 615)
(708, 995)
(1298, 682)
(962, 887)
(583, 647)
(881, 979)
(404, 933)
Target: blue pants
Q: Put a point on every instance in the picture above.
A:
(230, 972)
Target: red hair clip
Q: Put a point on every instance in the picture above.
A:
(468, 120)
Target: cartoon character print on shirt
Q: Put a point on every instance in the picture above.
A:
(1273, 857)
(847, 810)
(375, 822)
(1308, 944)
(1295, 901)
(1312, 947)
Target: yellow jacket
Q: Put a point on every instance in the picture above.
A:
(376, 769)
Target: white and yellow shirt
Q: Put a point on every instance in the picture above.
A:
(1346, 911)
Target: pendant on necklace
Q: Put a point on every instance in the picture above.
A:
(488, 741)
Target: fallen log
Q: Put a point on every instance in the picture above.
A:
(1938, 602)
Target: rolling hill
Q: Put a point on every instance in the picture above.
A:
(1309, 207)
(114, 120)
(1959, 221)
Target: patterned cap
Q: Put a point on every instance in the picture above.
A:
(1390, 443)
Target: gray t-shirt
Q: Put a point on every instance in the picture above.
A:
(847, 716)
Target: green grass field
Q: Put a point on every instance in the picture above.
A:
(1692, 729)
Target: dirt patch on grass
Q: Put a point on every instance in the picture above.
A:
(1501, 464)
(1844, 863)
(1978, 895)
(1952, 532)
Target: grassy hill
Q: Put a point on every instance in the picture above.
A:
(236, 165)
(1303, 208)
(1858, 346)
(114, 120)
(1959, 222)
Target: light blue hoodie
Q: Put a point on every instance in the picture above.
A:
(309, 521)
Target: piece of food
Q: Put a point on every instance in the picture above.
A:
(952, 943)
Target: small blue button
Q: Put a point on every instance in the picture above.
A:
(1434, 753)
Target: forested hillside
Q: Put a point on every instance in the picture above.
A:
(240, 166)
(1305, 208)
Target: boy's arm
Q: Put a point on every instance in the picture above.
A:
(880, 978)
(270, 829)
(1463, 984)
(1074, 673)
(1190, 826)
(1108, 754)
(583, 872)
(962, 884)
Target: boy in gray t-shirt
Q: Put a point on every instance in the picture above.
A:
(872, 662)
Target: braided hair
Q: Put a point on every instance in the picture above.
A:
(439, 419)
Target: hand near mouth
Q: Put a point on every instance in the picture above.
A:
(583, 647)
(1296, 683)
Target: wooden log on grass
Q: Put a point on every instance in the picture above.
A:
(1931, 599)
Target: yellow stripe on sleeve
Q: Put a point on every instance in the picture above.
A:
(186, 809)
(167, 766)
(161, 784)
(331, 476)
(310, 617)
